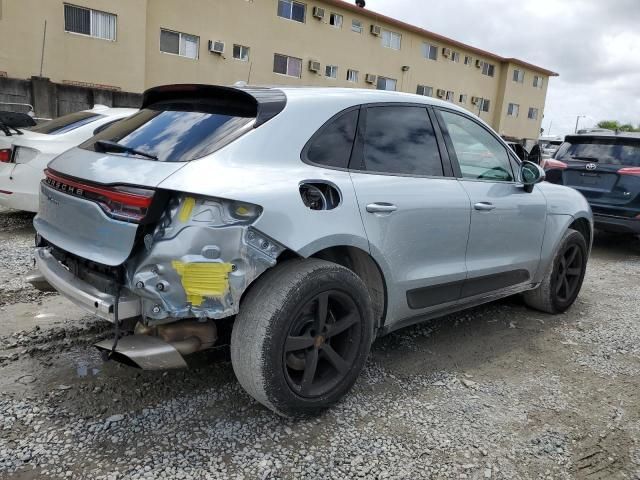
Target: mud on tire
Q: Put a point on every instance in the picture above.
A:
(302, 336)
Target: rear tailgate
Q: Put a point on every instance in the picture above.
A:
(70, 220)
(605, 169)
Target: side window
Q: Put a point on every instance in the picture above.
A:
(332, 145)
(400, 140)
(480, 155)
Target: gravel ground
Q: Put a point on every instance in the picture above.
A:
(498, 392)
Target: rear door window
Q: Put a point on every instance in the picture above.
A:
(604, 151)
(400, 140)
(333, 143)
(173, 135)
(66, 123)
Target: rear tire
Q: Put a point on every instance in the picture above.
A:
(563, 281)
(302, 336)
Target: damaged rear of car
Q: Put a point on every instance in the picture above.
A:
(116, 243)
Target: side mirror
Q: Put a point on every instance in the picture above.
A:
(530, 174)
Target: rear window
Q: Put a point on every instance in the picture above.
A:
(66, 123)
(605, 151)
(173, 135)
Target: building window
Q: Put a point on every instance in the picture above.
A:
(178, 43)
(425, 91)
(331, 71)
(463, 98)
(240, 52)
(518, 76)
(455, 57)
(292, 10)
(391, 39)
(450, 96)
(90, 22)
(513, 110)
(289, 66)
(485, 105)
(335, 20)
(352, 76)
(468, 60)
(488, 69)
(533, 113)
(430, 52)
(356, 26)
(386, 83)
(538, 81)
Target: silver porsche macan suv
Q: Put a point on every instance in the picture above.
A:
(297, 225)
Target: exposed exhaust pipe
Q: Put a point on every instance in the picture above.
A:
(163, 347)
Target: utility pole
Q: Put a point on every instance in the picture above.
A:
(577, 121)
(44, 40)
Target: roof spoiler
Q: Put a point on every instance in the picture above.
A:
(260, 103)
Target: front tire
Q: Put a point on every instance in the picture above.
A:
(302, 336)
(562, 283)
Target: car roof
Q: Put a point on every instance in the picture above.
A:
(362, 96)
(605, 135)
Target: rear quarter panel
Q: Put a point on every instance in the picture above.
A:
(264, 168)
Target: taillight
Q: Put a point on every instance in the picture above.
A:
(629, 171)
(550, 164)
(121, 202)
(5, 155)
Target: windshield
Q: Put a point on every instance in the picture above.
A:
(170, 136)
(66, 123)
(605, 151)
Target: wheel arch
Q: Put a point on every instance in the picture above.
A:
(583, 225)
(364, 265)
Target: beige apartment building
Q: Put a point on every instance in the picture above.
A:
(131, 45)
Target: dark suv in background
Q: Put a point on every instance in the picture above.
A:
(605, 168)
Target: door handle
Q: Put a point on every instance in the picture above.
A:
(484, 206)
(381, 208)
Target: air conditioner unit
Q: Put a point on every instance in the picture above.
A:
(441, 93)
(216, 47)
(479, 64)
(318, 13)
(314, 66)
(376, 30)
(370, 78)
(475, 100)
(446, 52)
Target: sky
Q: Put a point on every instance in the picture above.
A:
(593, 44)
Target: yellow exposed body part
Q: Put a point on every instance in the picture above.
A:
(186, 209)
(201, 280)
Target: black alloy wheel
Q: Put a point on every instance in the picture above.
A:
(569, 272)
(322, 344)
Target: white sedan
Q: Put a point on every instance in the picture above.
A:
(23, 158)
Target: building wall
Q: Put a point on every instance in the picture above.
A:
(134, 61)
(69, 57)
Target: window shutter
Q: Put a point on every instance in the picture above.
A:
(189, 46)
(77, 20)
(169, 42)
(103, 25)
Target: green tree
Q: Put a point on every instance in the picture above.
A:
(615, 125)
(610, 124)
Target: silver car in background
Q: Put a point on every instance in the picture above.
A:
(299, 224)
